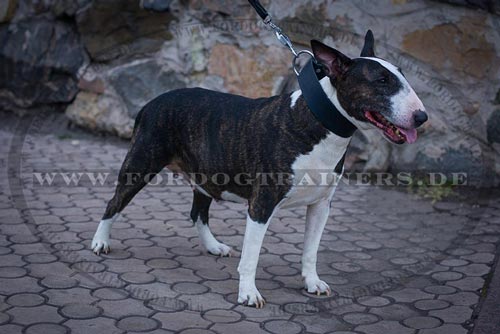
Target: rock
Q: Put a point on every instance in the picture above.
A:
(7, 10)
(121, 28)
(101, 112)
(225, 7)
(156, 5)
(460, 46)
(250, 72)
(49, 9)
(40, 60)
(493, 127)
(491, 6)
(140, 81)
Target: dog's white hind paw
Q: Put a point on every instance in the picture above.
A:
(250, 296)
(100, 245)
(316, 286)
(219, 249)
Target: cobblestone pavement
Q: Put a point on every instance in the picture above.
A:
(397, 264)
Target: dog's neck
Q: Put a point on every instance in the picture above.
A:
(331, 92)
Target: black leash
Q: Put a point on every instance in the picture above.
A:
(317, 100)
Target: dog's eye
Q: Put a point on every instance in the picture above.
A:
(382, 80)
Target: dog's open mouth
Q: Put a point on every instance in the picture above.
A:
(394, 133)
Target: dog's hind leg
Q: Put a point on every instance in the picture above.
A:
(199, 215)
(141, 164)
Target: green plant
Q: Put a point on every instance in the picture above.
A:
(436, 193)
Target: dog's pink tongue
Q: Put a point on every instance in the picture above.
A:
(411, 135)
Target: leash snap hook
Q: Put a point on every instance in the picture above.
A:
(296, 57)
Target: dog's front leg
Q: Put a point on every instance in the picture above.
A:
(252, 242)
(316, 217)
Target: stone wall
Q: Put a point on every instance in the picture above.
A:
(102, 60)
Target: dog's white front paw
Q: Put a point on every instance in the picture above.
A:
(316, 286)
(218, 248)
(100, 244)
(248, 295)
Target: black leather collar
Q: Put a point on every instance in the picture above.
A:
(320, 105)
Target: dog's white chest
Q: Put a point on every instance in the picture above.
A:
(314, 176)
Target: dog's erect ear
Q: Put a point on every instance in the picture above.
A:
(335, 63)
(369, 45)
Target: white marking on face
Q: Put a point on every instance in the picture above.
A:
(229, 196)
(295, 96)
(405, 102)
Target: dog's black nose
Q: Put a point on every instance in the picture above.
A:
(420, 118)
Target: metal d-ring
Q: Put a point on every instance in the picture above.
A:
(294, 62)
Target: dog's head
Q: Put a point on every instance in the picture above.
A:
(373, 91)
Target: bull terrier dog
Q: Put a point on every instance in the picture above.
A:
(201, 132)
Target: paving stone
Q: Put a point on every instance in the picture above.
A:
(422, 322)
(373, 301)
(475, 269)
(9, 286)
(384, 326)
(213, 275)
(62, 297)
(461, 298)
(301, 308)
(11, 329)
(395, 312)
(453, 314)
(138, 324)
(453, 262)
(444, 276)
(408, 295)
(162, 263)
(110, 293)
(282, 270)
(196, 331)
(346, 267)
(137, 277)
(282, 327)
(189, 288)
(80, 311)
(480, 257)
(431, 304)
(31, 315)
(47, 328)
(59, 282)
(445, 329)
(12, 272)
(176, 321)
(222, 316)
(96, 325)
(357, 255)
(468, 283)
(88, 267)
(25, 300)
(425, 263)
(440, 289)
(360, 318)
(123, 308)
(138, 242)
(4, 318)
